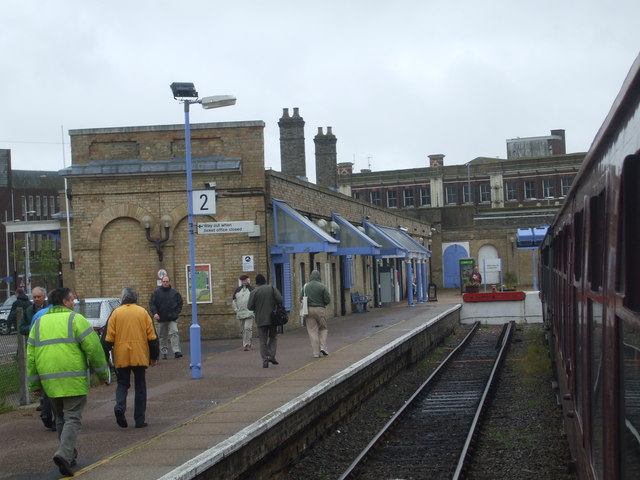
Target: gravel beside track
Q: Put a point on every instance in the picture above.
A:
(521, 438)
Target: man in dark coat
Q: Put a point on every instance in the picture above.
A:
(165, 306)
(262, 301)
(22, 301)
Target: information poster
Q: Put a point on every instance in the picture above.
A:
(203, 283)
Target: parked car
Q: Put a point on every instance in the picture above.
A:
(5, 310)
(97, 310)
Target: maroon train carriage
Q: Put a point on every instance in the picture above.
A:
(590, 289)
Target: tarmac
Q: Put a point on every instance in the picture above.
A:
(194, 419)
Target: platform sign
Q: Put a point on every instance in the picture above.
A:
(204, 202)
(225, 227)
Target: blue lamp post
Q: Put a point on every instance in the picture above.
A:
(187, 94)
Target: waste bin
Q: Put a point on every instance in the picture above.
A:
(433, 292)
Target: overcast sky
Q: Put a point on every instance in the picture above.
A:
(397, 81)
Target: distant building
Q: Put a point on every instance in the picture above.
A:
(31, 196)
(475, 208)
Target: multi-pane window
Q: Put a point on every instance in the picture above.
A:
(485, 193)
(511, 191)
(547, 188)
(408, 197)
(53, 205)
(356, 195)
(38, 206)
(375, 198)
(425, 196)
(565, 185)
(529, 189)
(392, 199)
(31, 207)
(45, 206)
(466, 194)
(451, 194)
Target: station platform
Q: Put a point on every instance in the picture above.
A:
(190, 419)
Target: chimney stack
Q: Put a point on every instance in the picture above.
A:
(292, 154)
(436, 160)
(326, 159)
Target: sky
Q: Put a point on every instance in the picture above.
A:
(396, 81)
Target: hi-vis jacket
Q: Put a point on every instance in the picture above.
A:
(60, 348)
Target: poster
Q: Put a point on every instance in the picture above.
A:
(203, 283)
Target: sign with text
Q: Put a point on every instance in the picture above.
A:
(247, 263)
(204, 202)
(225, 227)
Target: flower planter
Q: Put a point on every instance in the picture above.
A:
(472, 288)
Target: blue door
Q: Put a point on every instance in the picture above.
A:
(451, 258)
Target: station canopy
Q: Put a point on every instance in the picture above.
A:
(528, 238)
(352, 240)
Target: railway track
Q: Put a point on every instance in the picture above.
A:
(430, 436)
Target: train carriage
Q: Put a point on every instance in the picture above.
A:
(590, 289)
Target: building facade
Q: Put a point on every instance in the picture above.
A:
(477, 208)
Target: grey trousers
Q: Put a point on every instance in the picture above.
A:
(168, 333)
(68, 413)
(268, 341)
(246, 325)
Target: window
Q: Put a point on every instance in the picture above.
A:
(375, 198)
(466, 195)
(597, 229)
(529, 189)
(38, 206)
(356, 195)
(392, 199)
(485, 193)
(452, 195)
(628, 276)
(408, 197)
(565, 185)
(52, 205)
(45, 206)
(31, 203)
(547, 188)
(425, 196)
(511, 190)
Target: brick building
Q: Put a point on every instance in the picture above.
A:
(475, 209)
(129, 202)
(30, 201)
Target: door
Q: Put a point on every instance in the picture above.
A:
(451, 257)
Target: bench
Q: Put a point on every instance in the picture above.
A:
(360, 301)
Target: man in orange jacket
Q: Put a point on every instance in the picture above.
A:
(131, 334)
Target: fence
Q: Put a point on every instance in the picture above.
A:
(13, 387)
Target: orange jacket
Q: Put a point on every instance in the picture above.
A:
(130, 329)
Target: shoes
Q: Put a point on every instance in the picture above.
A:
(63, 466)
(178, 355)
(39, 408)
(247, 348)
(265, 364)
(120, 418)
(324, 352)
(164, 356)
(273, 360)
(141, 425)
(316, 356)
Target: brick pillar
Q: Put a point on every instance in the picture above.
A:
(292, 155)
(436, 160)
(326, 159)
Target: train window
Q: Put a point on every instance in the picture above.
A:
(579, 345)
(628, 278)
(630, 417)
(596, 384)
(597, 229)
(578, 246)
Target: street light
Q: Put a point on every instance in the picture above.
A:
(27, 251)
(186, 93)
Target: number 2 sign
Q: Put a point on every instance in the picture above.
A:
(204, 202)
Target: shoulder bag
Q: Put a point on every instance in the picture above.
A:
(279, 315)
(304, 307)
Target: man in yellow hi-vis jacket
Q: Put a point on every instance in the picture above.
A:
(61, 345)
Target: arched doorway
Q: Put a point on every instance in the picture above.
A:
(488, 252)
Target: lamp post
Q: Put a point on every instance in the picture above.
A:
(27, 250)
(187, 94)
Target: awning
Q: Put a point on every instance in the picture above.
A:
(528, 238)
(295, 233)
(352, 240)
(390, 247)
(414, 249)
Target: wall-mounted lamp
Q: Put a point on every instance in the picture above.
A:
(158, 242)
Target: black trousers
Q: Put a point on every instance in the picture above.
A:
(140, 385)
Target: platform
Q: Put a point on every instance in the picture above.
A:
(188, 417)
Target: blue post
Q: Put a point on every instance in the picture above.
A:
(533, 262)
(196, 363)
(409, 284)
(425, 284)
(419, 281)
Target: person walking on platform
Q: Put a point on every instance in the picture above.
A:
(318, 297)
(262, 301)
(165, 305)
(23, 302)
(61, 344)
(243, 314)
(131, 334)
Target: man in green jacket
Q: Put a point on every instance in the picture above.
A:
(60, 346)
(318, 297)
